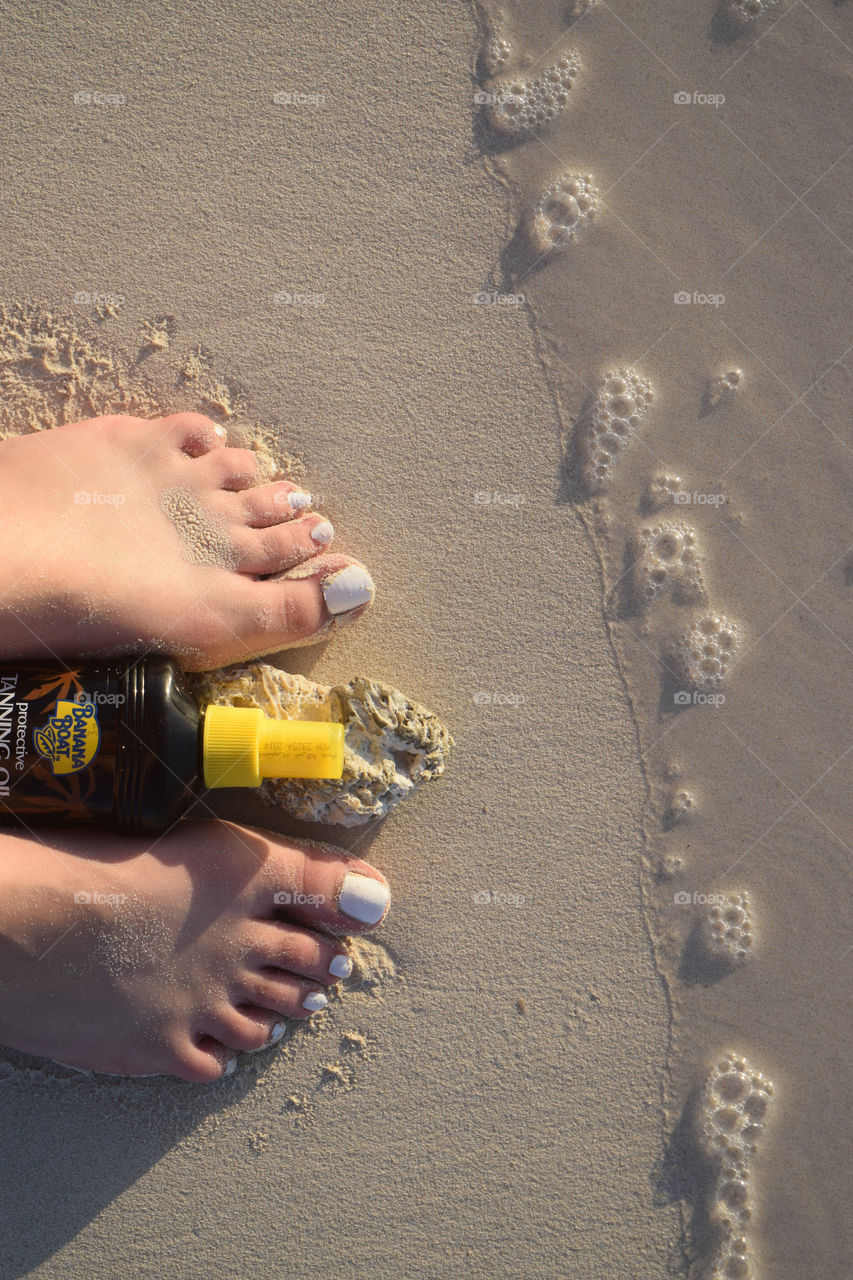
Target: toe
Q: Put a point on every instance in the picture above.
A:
(272, 550)
(278, 1026)
(286, 994)
(323, 888)
(240, 1027)
(267, 504)
(282, 945)
(202, 1060)
(301, 605)
(229, 469)
(266, 615)
(193, 433)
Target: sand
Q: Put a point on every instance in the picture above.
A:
(301, 222)
(720, 258)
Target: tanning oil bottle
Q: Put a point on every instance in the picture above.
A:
(124, 743)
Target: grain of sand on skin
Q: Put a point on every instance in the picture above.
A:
(204, 537)
(306, 1065)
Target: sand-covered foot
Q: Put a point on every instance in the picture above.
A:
(122, 533)
(121, 956)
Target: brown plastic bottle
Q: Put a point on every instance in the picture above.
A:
(124, 743)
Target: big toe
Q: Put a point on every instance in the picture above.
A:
(321, 887)
(299, 607)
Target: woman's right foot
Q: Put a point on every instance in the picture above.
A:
(123, 955)
(152, 535)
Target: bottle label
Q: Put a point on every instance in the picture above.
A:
(111, 742)
(57, 739)
(70, 739)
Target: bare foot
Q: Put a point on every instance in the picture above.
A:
(154, 535)
(126, 956)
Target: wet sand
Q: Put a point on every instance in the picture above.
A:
(718, 244)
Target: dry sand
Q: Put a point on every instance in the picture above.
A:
(499, 1090)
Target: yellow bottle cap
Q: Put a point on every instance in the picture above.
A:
(241, 747)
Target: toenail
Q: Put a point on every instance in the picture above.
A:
(298, 500)
(277, 1032)
(221, 432)
(315, 1001)
(230, 1067)
(323, 533)
(347, 589)
(341, 967)
(363, 898)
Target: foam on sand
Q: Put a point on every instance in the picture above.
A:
(724, 385)
(730, 1121)
(666, 561)
(605, 429)
(563, 209)
(704, 652)
(727, 930)
(519, 103)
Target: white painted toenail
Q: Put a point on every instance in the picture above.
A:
(323, 533)
(341, 967)
(221, 432)
(298, 500)
(277, 1032)
(230, 1067)
(315, 1001)
(347, 589)
(363, 898)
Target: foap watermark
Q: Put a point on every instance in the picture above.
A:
(296, 499)
(494, 298)
(305, 299)
(294, 98)
(503, 98)
(491, 898)
(84, 498)
(94, 98)
(86, 899)
(683, 498)
(100, 699)
(491, 498)
(683, 298)
(684, 98)
(693, 698)
(284, 898)
(494, 698)
(695, 899)
(84, 298)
